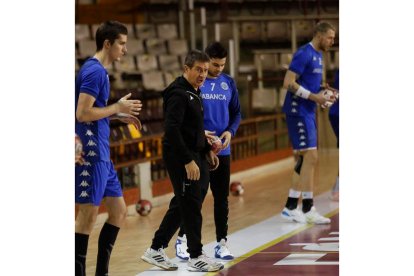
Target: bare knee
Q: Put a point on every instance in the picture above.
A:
(117, 213)
(311, 157)
(86, 219)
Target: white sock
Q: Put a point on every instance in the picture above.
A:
(294, 193)
(307, 195)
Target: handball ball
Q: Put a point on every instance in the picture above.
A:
(330, 96)
(216, 144)
(78, 145)
(143, 207)
(236, 188)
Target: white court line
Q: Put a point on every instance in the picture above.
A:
(240, 243)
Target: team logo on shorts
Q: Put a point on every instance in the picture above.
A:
(224, 86)
(84, 194)
(84, 184)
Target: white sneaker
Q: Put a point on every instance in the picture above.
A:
(221, 251)
(158, 258)
(314, 217)
(294, 215)
(204, 264)
(181, 248)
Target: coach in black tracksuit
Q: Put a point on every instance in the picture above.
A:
(186, 154)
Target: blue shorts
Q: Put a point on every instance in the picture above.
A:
(302, 132)
(94, 181)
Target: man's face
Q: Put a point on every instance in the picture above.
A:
(216, 67)
(197, 74)
(118, 49)
(326, 40)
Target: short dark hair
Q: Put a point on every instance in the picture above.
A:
(216, 50)
(109, 30)
(322, 27)
(195, 55)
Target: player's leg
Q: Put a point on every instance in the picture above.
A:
(116, 207)
(85, 221)
(172, 220)
(307, 173)
(89, 191)
(181, 242)
(219, 183)
(298, 138)
(306, 178)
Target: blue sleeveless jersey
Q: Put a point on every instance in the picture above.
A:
(93, 79)
(221, 106)
(307, 64)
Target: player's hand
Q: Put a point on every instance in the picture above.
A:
(227, 138)
(336, 92)
(193, 171)
(209, 135)
(128, 119)
(129, 106)
(79, 159)
(213, 160)
(318, 98)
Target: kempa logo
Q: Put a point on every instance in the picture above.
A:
(84, 184)
(293, 110)
(89, 132)
(302, 137)
(87, 163)
(191, 98)
(300, 124)
(302, 144)
(294, 104)
(91, 153)
(301, 130)
(91, 143)
(85, 173)
(88, 123)
(84, 194)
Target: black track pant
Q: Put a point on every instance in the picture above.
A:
(219, 184)
(185, 206)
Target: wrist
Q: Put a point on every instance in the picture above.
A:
(302, 92)
(117, 107)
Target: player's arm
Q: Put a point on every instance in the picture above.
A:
(234, 116)
(86, 112)
(292, 86)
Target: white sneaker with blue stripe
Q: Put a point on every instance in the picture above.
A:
(221, 251)
(313, 217)
(181, 248)
(294, 215)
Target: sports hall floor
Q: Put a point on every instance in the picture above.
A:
(261, 241)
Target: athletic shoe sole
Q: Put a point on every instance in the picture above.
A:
(151, 261)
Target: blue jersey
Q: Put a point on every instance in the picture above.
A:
(334, 110)
(221, 106)
(307, 64)
(93, 79)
